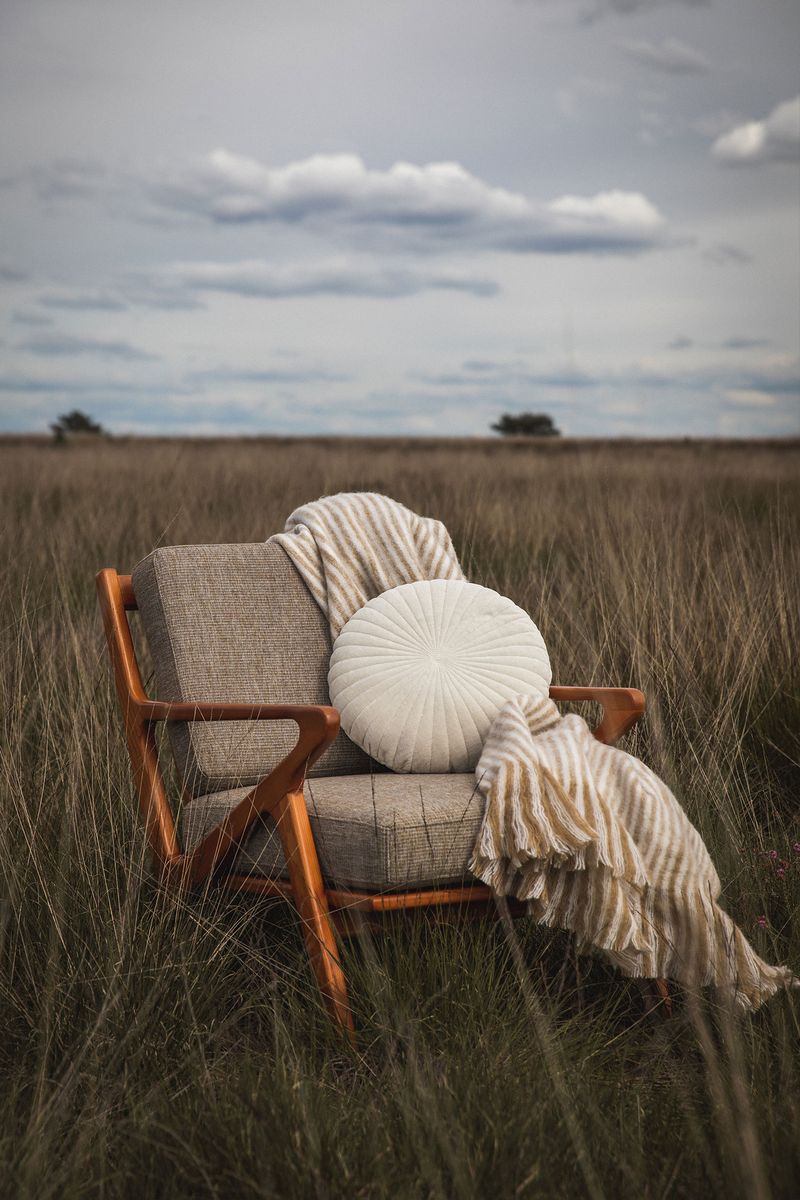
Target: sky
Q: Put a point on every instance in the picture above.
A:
(380, 217)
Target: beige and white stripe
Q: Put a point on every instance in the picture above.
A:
(586, 834)
(351, 547)
(598, 844)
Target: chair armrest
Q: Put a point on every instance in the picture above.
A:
(306, 715)
(622, 708)
(318, 725)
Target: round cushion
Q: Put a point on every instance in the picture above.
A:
(420, 672)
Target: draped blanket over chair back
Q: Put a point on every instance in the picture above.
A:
(352, 547)
(588, 835)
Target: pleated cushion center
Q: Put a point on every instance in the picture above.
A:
(420, 672)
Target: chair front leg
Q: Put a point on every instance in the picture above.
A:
(291, 817)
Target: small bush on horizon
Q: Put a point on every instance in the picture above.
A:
(74, 422)
(526, 425)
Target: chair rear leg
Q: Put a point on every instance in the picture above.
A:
(656, 997)
(664, 995)
(311, 903)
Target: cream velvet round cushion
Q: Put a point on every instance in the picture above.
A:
(420, 672)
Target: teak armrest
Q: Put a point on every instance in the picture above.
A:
(318, 725)
(622, 708)
(307, 716)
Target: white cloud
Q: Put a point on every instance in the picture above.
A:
(670, 56)
(435, 206)
(776, 138)
(231, 187)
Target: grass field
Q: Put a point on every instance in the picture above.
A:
(155, 1047)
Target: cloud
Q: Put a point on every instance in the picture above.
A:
(712, 124)
(573, 96)
(730, 343)
(11, 274)
(437, 206)
(52, 345)
(779, 377)
(670, 56)
(509, 375)
(749, 398)
(725, 254)
(142, 293)
(486, 366)
(267, 375)
(66, 178)
(133, 291)
(83, 302)
(745, 343)
(336, 277)
(28, 385)
(30, 319)
(776, 138)
(629, 8)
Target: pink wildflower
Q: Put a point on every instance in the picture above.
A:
(762, 922)
(773, 854)
(780, 872)
(796, 847)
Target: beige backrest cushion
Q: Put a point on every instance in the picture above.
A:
(236, 623)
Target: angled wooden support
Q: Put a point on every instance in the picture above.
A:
(311, 901)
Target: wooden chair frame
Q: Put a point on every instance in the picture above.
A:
(323, 911)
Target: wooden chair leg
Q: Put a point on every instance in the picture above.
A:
(662, 988)
(656, 997)
(311, 902)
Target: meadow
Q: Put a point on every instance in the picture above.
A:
(158, 1046)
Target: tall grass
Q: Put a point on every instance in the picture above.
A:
(156, 1046)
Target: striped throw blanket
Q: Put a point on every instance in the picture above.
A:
(352, 547)
(590, 837)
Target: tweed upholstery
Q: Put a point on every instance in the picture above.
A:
(236, 623)
(378, 832)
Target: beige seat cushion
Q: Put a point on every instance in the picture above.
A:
(378, 832)
(236, 623)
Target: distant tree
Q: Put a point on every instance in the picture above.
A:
(74, 422)
(526, 425)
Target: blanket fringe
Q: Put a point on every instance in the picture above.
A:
(597, 845)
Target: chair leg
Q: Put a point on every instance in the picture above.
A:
(311, 902)
(656, 996)
(662, 988)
